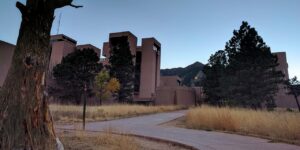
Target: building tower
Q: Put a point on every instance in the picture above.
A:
(146, 63)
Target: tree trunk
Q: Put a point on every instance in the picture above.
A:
(296, 98)
(100, 98)
(25, 120)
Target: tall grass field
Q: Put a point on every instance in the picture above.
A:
(276, 125)
(73, 113)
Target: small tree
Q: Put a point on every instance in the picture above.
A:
(105, 85)
(293, 85)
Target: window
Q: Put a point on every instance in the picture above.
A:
(137, 72)
(155, 48)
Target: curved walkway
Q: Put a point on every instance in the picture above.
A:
(148, 126)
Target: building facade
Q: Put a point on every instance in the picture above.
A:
(149, 86)
(6, 54)
(61, 46)
(282, 99)
(172, 92)
(146, 63)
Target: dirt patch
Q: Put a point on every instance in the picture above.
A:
(78, 140)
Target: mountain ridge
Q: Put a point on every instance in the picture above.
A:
(189, 74)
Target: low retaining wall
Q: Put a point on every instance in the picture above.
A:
(177, 96)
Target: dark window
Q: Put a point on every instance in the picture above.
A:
(137, 78)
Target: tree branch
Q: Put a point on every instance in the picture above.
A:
(62, 3)
(76, 6)
(23, 9)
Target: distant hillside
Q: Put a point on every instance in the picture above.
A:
(187, 74)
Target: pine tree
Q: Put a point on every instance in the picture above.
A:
(251, 69)
(121, 67)
(214, 71)
(76, 70)
(244, 74)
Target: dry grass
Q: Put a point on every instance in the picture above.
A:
(107, 141)
(72, 113)
(283, 126)
(118, 141)
(81, 140)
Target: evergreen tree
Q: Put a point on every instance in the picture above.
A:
(76, 70)
(121, 67)
(244, 74)
(251, 69)
(214, 70)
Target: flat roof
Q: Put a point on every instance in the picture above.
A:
(62, 36)
(154, 39)
(123, 33)
(7, 43)
(87, 45)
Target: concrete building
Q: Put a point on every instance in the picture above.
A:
(6, 54)
(172, 92)
(146, 63)
(61, 46)
(149, 86)
(170, 81)
(282, 99)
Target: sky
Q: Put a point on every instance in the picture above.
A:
(189, 30)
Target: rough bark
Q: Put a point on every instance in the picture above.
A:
(25, 120)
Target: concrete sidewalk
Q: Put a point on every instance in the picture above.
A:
(204, 140)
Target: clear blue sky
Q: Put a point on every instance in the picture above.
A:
(189, 30)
